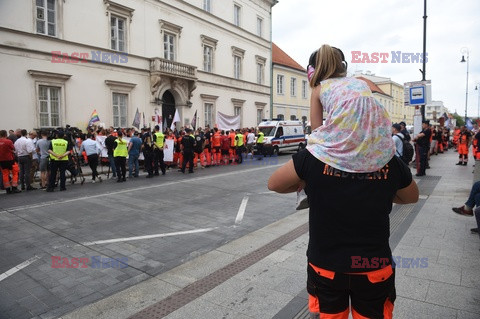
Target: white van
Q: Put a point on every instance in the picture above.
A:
(282, 136)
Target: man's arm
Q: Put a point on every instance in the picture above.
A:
(407, 195)
(285, 179)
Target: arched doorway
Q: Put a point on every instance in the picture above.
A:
(168, 107)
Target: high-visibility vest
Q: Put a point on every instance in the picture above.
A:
(121, 149)
(160, 138)
(239, 139)
(59, 146)
(260, 138)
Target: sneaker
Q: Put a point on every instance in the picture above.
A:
(463, 211)
(302, 200)
(93, 181)
(459, 163)
(474, 230)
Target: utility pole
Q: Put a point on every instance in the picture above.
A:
(424, 70)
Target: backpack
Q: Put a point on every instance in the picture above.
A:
(407, 150)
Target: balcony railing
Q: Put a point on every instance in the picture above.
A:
(172, 68)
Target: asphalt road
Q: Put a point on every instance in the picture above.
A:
(128, 232)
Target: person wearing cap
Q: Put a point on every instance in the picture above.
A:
(464, 139)
(59, 151)
(188, 146)
(423, 142)
(397, 137)
(120, 153)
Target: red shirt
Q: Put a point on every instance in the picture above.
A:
(225, 142)
(6, 150)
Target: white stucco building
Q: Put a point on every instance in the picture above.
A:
(434, 111)
(61, 59)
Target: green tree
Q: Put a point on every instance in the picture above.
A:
(460, 120)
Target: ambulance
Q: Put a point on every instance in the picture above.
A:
(281, 136)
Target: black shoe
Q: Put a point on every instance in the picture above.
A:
(149, 176)
(465, 164)
(23, 188)
(124, 179)
(462, 211)
(163, 173)
(474, 230)
(63, 189)
(9, 190)
(31, 188)
(156, 174)
(119, 180)
(50, 190)
(418, 175)
(459, 163)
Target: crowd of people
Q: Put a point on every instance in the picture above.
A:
(434, 140)
(23, 153)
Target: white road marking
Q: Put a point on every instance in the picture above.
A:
(116, 240)
(13, 270)
(422, 196)
(129, 190)
(241, 210)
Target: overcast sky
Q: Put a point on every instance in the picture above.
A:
(301, 26)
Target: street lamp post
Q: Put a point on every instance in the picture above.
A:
(477, 88)
(465, 51)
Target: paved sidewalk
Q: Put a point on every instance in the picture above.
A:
(274, 285)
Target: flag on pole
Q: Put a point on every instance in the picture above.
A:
(194, 121)
(144, 123)
(176, 118)
(93, 118)
(469, 124)
(136, 120)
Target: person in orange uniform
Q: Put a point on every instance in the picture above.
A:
(208, 145)
(463, 143)
(198, 150)
(7, 164)
(216, 146)
(225, 147)
(233, 151)
(456, 136)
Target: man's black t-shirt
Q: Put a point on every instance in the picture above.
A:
(188, 143)
(349, 213)
(425, 140)
(110, 144)
(198, 144)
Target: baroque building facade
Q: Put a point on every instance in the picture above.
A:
(62, 59)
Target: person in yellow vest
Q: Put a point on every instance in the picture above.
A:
(120, 153)
(260, 142)
(158, 142)
(240, 146)
(59, 150)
